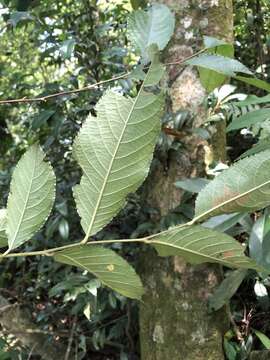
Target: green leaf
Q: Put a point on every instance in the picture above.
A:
(253, 100)
(111, 269)
(244, 187)
(3, 226)
(194, 185)
(260, 84)
(41, 118)
(197, 244)
(248, 119)
(259, 241)
(230, 349)
(211, 79)
(63, 228)
(220, 64)
(223, 222)
(226, 289)
(115, 150)
(153, 26)
(263, 338)
(31, 198)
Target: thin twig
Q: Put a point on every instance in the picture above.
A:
(62, 93)
(88, 87)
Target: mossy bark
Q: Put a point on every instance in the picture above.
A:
(174, 320)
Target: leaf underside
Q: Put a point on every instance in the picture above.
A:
(244, 187)
(31, 197)
(197, 244)
(115, 150)
(111, 269)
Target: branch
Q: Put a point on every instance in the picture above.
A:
(63, 93)
(88, 87)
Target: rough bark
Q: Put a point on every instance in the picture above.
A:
(174, 321)
(17, 321)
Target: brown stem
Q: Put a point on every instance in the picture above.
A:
(85, 88)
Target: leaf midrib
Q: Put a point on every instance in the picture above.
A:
(217, 207)
(112, 161)
(175, 246)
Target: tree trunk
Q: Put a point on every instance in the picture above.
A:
(174, 321)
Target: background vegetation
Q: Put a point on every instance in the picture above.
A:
(49, 47)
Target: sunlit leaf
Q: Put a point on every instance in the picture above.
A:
(244, 187)
(111, 269)
(153, 26)
(114, 151)
(31, 198)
